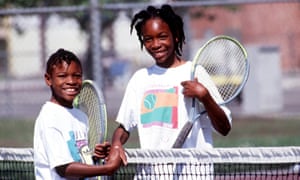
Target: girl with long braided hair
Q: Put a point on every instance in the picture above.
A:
(158, 98)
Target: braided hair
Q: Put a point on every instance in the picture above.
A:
(60, 56)
(165, 13)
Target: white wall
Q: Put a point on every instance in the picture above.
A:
(25, 48)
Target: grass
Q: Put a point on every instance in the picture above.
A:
(246, 132)
(16, 133)
(258, 131)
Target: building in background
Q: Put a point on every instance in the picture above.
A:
(261, 24)
(22, 62)
(21, 37)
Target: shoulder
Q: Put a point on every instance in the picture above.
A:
(139, 75)
(187, 65)
(79, 115)
(50, 115)
(142, 71)
(48, 108)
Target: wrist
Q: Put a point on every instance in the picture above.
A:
(116, 146)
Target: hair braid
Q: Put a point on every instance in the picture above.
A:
(59, 56)
(165, 13)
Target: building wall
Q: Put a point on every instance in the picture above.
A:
(272, 24)
(24, 43)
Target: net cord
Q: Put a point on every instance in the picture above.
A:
(217, 155)
(286, 154)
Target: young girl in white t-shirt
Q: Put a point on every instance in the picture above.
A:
(158, 99)
(60, 133)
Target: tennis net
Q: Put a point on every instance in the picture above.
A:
(16, 163)
(259, 163)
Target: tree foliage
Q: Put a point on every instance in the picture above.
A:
(39, 3)
(82, 17)
(42, 3)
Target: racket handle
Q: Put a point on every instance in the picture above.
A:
(183, 135)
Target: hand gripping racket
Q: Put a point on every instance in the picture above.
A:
(90, 100)
(225, 61)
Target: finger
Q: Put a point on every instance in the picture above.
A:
(100, 151)
(99, 156)
(102, 148)
(183, 83)
(107, 144)
(103, 145)
(123, 158)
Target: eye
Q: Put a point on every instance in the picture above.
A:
(147, 39)
(61, 75)
(163, 36)
(78, 75)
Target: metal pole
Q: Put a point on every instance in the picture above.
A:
(95, 24)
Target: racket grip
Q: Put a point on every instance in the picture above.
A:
(183, 135)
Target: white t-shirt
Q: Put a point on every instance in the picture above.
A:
(154, 103)
(60, 137)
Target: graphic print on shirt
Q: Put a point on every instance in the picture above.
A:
(78, 147)
(159, 108)
(86, 155)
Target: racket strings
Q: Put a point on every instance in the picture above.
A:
(89, 102)
(225, 61)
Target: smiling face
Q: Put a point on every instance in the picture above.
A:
(65, 82)
(159, 42)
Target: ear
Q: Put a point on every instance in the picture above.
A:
(47, 79)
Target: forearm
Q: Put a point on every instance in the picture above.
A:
(81, 170)
(217, 116)
(120, 136)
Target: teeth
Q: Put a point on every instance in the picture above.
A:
(71, 90)
(158, 54)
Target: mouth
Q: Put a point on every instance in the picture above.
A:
(71, 91)
(159, 54)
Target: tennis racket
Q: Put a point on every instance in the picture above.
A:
(225, 61)
(90, 100)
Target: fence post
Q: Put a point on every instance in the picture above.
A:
(95, 24)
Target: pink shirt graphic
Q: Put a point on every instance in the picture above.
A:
(159, 108)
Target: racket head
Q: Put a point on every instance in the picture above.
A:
(225, 60)
(90, 100)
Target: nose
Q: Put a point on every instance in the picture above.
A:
(71, 80)
(155, 44)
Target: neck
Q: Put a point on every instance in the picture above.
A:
(176, 62)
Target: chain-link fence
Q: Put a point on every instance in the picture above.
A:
(99, 35)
